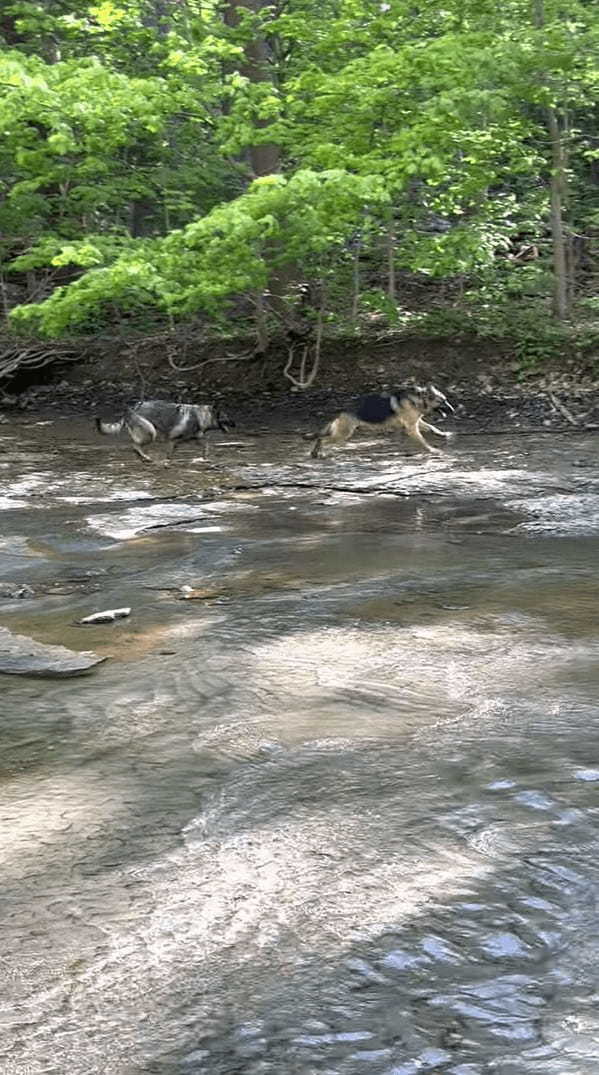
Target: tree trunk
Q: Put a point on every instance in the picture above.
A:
(265, 157)
(561, 290)
(355, 303)
(4, 298)
(262, 338)
(9, 32)
(141, 214)
(157, 15)
(390, 241)
(557, 188)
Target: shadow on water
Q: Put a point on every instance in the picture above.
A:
(341, 817)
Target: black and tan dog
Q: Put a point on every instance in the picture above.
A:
(403, 409)
(174, 421)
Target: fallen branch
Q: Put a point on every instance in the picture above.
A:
(205, 361)
(16, 357)
(559, 406)
(303, 381)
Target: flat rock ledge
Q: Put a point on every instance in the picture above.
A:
(22, 656)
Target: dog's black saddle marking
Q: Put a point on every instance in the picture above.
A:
(160, 413)
(374, 408)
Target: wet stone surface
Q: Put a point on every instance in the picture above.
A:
(338, 815)
(21, 656)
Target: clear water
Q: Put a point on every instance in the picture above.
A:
(341, 818)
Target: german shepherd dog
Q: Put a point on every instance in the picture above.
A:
(403, 409)
(144, 422)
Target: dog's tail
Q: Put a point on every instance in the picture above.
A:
(110, 428)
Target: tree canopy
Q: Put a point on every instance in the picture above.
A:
(177, 159)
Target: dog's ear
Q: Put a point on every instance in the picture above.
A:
(434, 396)
(426, 394)
(439, 400)
(443, 403)
(224, 422)
(418, 394)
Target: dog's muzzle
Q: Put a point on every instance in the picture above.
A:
(446, 408)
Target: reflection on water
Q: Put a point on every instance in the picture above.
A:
(340, 814)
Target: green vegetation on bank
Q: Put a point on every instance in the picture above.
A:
(302, 168)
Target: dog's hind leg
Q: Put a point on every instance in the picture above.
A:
(336, 432)
(142, 455)
(142, 432)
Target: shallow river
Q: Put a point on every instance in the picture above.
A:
(339, 817)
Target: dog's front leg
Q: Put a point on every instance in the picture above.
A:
(171, 446)
(438, 432)
(413, 431)
(203, 439)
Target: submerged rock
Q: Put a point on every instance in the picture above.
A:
(14, 590)
(22, 656)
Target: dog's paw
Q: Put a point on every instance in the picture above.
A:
(450, 435)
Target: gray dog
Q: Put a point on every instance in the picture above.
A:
(144, 422)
